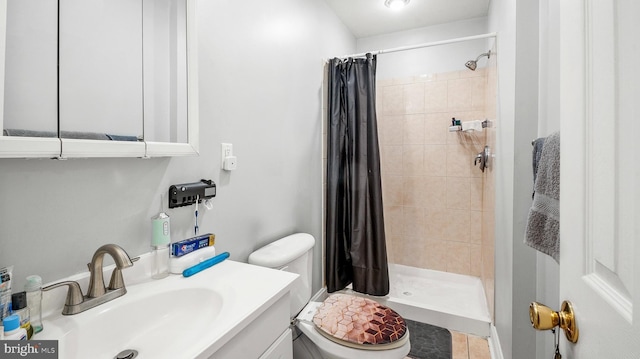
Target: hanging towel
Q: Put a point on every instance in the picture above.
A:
(543, 224)
(537, 152)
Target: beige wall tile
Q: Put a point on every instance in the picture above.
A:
(392, 190)
(476, 227)
(413, 191)
(458, 258)
(458, 192)
(393, 100)
(448, 75)
(480, 71)
(433, 195)
(436, 128)
(403, 80)
(435, 96)
(435, 223)
(411, 252)
(475, 264)
(391, 160)
(413, 223)
(413, 129)
(458, 226)
(414, 98)
(435, 160)
(425, 78)
(459, 94)
(478, 96)
(458, 160)
(476, 193)
(435, 192)
(413, 160)
(391, 129)
(393, 221)
(436, 255)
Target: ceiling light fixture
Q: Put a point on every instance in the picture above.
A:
(396, 4)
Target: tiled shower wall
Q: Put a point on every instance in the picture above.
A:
(432, 193)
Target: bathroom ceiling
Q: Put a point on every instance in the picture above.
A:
(371, 17)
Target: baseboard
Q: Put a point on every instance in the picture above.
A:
(494, 344)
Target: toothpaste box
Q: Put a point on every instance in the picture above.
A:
(192, 244)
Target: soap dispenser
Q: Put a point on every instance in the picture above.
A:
(160, 243)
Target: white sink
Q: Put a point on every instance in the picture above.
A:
(175, 317)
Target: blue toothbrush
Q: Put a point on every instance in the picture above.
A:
(205, 264)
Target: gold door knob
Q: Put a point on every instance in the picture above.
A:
(544, 318)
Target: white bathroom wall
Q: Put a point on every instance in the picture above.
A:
(260, 87)
(502, 20)
(430, 60)
(516, 23)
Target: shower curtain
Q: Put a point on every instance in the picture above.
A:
(355, 240)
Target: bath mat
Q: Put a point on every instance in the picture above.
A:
(428, 341)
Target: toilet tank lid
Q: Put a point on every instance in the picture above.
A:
(282, 251)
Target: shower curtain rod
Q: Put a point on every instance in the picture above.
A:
(419, 46)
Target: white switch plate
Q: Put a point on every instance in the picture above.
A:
(226, 150)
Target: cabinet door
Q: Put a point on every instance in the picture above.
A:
(30, 71)
(101, 67)
(282, 348)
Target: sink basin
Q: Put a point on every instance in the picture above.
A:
(175, 317)
(140, 324)
(136, 321)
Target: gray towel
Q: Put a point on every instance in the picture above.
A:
(543, 223)
(537, 152)
(80, 135)
(122, 138)
(28, 133)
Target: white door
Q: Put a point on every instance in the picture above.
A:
(600, 176)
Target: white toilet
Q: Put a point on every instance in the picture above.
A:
(294, 254)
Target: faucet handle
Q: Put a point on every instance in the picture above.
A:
(74, 294)
(117, 281)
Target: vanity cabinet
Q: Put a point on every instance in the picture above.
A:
(266, 337)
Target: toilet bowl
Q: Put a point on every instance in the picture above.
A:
(343, 325)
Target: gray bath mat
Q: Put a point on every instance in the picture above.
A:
(428, 341)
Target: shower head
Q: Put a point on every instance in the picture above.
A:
(472, 64)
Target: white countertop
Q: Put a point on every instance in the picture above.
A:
(244, 292)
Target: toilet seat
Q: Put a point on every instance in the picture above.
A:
(337, 346)
(360, 322)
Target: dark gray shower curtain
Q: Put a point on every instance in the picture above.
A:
(355, 244)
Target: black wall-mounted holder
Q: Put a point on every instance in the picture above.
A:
(186, 194)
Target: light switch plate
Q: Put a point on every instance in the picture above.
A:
(226, 150)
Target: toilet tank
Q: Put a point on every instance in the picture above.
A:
(293, 254)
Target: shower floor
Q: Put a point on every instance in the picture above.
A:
(453, 301)
(456, 302)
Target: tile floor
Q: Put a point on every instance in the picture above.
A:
(468, 347)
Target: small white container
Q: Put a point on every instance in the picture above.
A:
(178, 264)
(12, 329)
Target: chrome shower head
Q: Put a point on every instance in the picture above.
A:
(472, 64)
